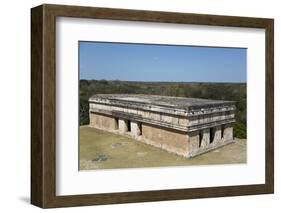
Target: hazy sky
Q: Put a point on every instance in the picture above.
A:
(143, 62)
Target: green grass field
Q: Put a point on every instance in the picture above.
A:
(103, 150)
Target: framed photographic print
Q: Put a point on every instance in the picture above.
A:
(136, 106)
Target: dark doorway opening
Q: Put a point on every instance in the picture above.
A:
(200, 138)
(116, 123)
(222, 131)
(212, 134)
(140, 128)
(129, 125)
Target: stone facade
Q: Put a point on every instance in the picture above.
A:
(184, 126)
(103, 122)
(172, 141)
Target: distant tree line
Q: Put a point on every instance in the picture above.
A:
(220, 91)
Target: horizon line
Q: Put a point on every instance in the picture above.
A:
(222, 82)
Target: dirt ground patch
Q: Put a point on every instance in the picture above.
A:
(104, 150)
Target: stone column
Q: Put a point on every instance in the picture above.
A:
(217, 134)
(95, 120)
(123, 125)
(206, 138)
(193, 142)
(135, 128)
(116, 123)
(228, 133)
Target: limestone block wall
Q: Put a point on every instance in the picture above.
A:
(102, 122)
(204, 138)
(166, 139)
(208, 139)
(217, 137)
(149, 115)
(123, 125)
(182, 143)
(194, 143)
(228, 132)
(212, 117)
(136, 129)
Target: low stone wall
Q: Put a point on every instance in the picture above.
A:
(103, 122)
(169, 140)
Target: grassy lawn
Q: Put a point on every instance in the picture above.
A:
(103, 150)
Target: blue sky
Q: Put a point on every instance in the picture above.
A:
(146, 62)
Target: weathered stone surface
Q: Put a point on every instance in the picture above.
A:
(228, 132)
(169, 140)
(150, 101)
(135, 128)
(205, 141)
(210, 142)
(102, 121)
(184, 114)
(185, 126)
(123, 125)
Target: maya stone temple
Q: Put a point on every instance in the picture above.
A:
(184, 126)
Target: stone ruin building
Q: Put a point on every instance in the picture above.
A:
(184, 126)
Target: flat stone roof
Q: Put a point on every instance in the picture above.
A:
(166, 101)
